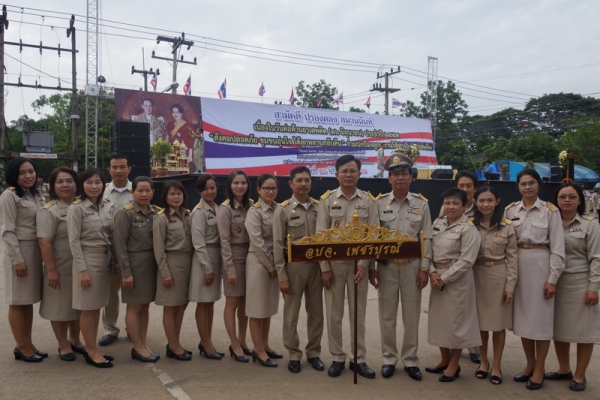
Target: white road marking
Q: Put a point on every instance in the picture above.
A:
(172, 386)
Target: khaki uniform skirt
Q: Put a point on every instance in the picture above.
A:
(21, 291)
(96, 296)
(490, 283)
(240, 252)
(180, 265)
(574, 321)
(262, 291)
(199, 292)
(144, 271)
(533, 314)
(57, 304)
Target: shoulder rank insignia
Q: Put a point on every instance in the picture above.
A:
(373, 197)
(588, 218)
(470, 219)
(423, 198)
(156, 208)
(551, 206)
(77, 201)
(470, 222)
(257, 205)
(510, 205)
(187, 212)
(315, 201)
(325, 195)
(48, 205)
(200, 206)
(128, 207)
(285, 203)
(162, 210)
(105, 199)
(225, 203)
(506, 221)
(11, 188)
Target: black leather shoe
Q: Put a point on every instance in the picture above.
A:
(294, 366)
(387, 370)
(316, 363)
(236, 357)
(67, 357)
(436, 370)
(42, 354)
(80, 350)
(213, 356)
(107, 339)
(181, 357)
(336, 369)
(109, 357)
(220, 353)
(265, 363)
(90, 360)
(531, 385)
(21, 356)
(553, 376)
(577, 386)
(137, 356)
(363, 370)
(446, 378)
(274, 354)
(247, 352)
(521, 378)
(475, 358)
(414, 373)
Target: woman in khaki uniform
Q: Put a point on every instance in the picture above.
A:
(173, 250)
(205, 280)
(133, 246)
(495, 273)
(453, 320)
(262, 286)
(21, 259)
(234, 250)
(89, 226)
(541, 244)
(576, 309)
(57, 293)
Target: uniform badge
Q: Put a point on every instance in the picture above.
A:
(415, 211)
(500, 234)
(335, 203)
(239, 229)
(576, 230)
(336, 224)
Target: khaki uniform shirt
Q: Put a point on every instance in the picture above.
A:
(133, 233)
(409, 217)
(17, 221)
(582, 250)
(204, 231)
(457, 244)
(51, 223)
(170, 235)
(117, 199)
(88, 225)
(380, 159)
(336, 210)
(291, 218)
(542, 224)
(232, 229)
(499, 243)
(259, 225)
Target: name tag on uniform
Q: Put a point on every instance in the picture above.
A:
(500, 234)
(267, 218)
(515, 219)
(172, 221)
(210, 217)
(436, 228)
(336, 207)
(89, 214)
(415, 211)
(388, 211)
(236, 215)
(295, 217)
(454, 231)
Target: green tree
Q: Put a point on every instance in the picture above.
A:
(356, 109)
(306, 95)
(584, 141)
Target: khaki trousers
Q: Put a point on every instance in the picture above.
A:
(110, 313)
(395, 281)
(334, 302)
(304, 279)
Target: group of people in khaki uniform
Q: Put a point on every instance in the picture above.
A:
(490, 269)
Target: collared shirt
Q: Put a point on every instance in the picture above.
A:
(170, 235)
(231, 230)
(582, 249)
(51, 223)
(204, 231)
(410, 217)
(259, 225)
(499, 242)
(118, 199)
(293, 219)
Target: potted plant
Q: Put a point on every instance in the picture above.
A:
(159, 152)
(504, 171)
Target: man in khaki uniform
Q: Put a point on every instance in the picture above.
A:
(118, 192)
(298, 217)
(336, 209)
(408, 213)
(380, 161)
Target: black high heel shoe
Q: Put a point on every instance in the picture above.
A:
(220, 353)
(236, 357)
(247, 352)
(42, 354)
(108, 357)
(181, 357)
(265, 363)
(137, 356)
(274, 354)
(21, 356)
(213, 356)
(445, 378)
(80, 350)
(90, 360)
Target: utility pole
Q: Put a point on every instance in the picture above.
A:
(376, 87)
(74, 116)
(3, 27)
(145, 73)
(176, 43)
(432, 76)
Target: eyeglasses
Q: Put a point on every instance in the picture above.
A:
(269, 188)
(564, 197)
(530, 183)
(348, 172)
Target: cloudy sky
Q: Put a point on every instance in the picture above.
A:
(500, 54)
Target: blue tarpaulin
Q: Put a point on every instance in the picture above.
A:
(582, 174)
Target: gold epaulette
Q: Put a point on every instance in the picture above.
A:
(588, 218)
(470, 222)
(551, 206)
(77, 201)
(188, 212)
(48, 205)
(373, 197)
(157, 208)
(285, 203)
(225, 203)
(315, 201)
(257, 205)
(162, 210)
(11, 188)
(128, 207)
(423, 198)
(105, 199)
(200, 206)
(471, 219)
(506, 221)
(325, 195)
(510, 205)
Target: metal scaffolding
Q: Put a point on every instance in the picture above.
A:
(91, 87)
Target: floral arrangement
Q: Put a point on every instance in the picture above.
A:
(411, 151)
(562, 159)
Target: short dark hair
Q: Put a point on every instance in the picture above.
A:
(581, 206)
(119, 156)
(178, 107)
(140, 179)
(529, 171)
(165, 191)
(203, 180)
(465, 174)
(498, 212)
(299, 170)
(346, 159)
(54, 176)
(87, 174)
(262, 178)
(12, 175)
(148, 99)
(230, 195)
(455, 192)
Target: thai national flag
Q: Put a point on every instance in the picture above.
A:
(222, 92)
(397, 103)
(368, 103)
(154, 81)
(292, 99)
(319, 100)
(261, 89)
(340, 99)
(187, 88)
